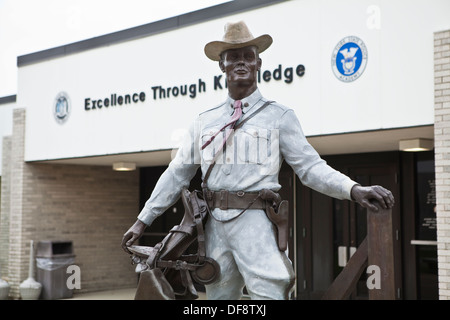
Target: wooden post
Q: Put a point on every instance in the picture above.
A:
(381, 254)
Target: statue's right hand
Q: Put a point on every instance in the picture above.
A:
(134, 233)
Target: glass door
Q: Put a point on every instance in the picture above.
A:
(425, 241)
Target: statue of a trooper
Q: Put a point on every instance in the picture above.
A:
(240, 237)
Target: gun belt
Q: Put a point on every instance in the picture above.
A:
(235, 200)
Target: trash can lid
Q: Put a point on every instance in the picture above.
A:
(50, 248)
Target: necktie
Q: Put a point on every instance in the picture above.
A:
(234, 118)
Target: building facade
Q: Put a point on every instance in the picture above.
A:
(367, 79)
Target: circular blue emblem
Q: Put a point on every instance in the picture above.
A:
(349, 59)
(61, 107)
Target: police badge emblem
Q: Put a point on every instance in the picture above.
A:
(349, 59)
(61, 107)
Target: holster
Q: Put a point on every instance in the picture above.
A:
(280, 218)
(177, 270)
(277, 211)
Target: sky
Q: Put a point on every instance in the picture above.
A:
(28, 26)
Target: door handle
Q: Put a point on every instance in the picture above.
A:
(423, 243)
(343, 255)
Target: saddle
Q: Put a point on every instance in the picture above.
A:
(166, 271)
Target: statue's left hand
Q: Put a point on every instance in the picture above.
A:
(366, 195)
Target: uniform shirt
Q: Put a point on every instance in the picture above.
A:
(251, 160)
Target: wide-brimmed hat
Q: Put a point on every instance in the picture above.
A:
(237, 35)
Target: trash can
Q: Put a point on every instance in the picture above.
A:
(52, 260)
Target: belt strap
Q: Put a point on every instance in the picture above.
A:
(231, 200)
(236, 200)
(240, 124)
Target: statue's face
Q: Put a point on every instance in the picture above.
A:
(241, 66)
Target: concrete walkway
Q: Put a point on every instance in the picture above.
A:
(118, 294)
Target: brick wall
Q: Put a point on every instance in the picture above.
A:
(5, 208)
(91, 206)
(442, 157)
(17, 260)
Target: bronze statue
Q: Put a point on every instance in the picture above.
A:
(240, 234)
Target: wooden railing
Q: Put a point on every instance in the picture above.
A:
(376, 250)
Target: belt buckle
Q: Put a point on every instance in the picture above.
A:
(240, 193)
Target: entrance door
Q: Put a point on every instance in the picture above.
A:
(421, 245)
(354, 222)
(333, 229)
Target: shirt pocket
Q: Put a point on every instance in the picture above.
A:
(253, 145)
